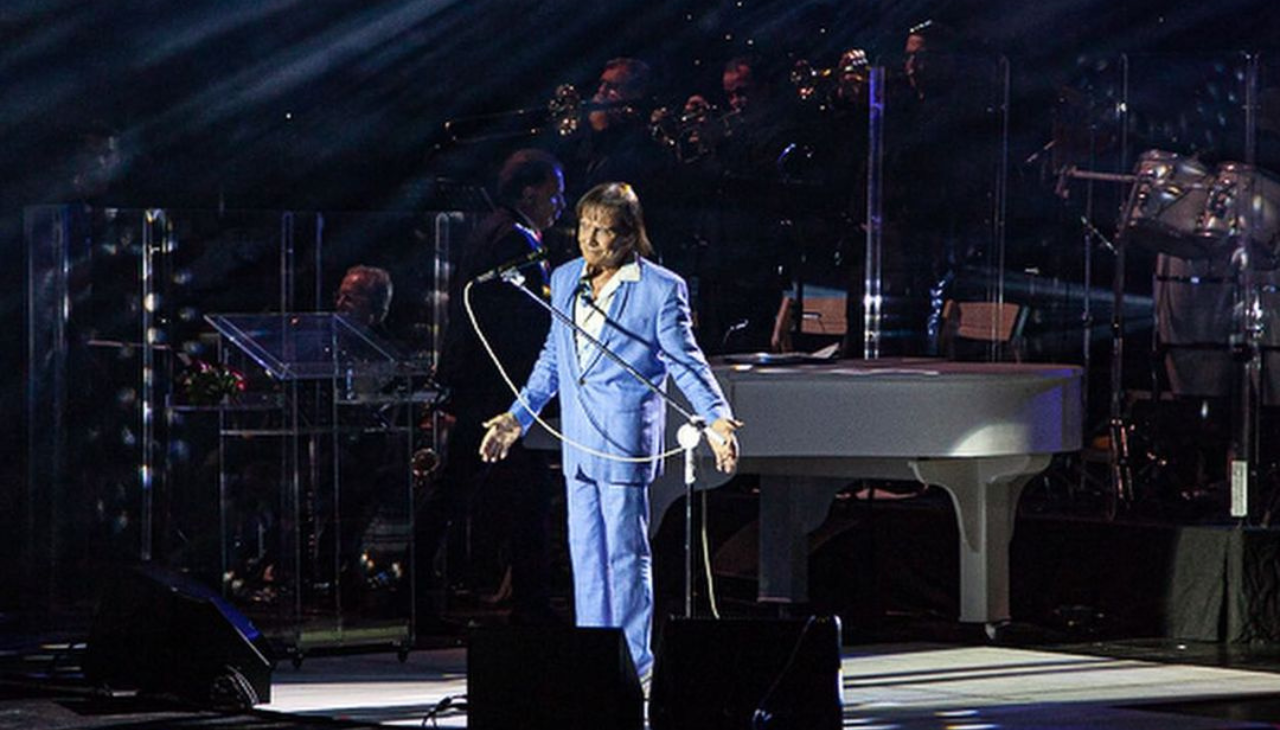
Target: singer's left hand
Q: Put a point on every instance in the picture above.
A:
(725, 447)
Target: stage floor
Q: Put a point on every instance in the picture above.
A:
(903, 687)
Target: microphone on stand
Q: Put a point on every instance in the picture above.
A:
(518, 262)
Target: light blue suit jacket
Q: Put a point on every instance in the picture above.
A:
(601, 405)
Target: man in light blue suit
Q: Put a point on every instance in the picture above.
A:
(613, 424)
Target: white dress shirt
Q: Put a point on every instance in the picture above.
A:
(588, 312)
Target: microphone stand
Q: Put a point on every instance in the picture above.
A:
(688, 436)
(1118, 451)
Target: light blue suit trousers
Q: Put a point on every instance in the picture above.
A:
(605, 409)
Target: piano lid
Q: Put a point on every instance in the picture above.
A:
(905, 408)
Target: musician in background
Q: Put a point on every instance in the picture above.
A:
(531, 198)
(365, 296)
(740, 83)
(826, 171)
(937, 192)
(926, 73)
(742, 270)
(371, 466)
(758, 123)
(616, 144)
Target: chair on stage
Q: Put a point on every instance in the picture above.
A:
(823, 320)
(983, 330)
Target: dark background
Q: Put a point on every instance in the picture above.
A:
(340, 105)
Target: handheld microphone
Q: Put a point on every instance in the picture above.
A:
(519, 262)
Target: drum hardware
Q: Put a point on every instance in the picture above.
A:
(1163, 214)
(1246, 343)
(1071, 172)
(1121, 474)
(1096, 234)
(1166, 205)
(1153, 165)
(1169, 204)
(1239, 218)
(1180, 208)
(1243, 206)
(1215, 326)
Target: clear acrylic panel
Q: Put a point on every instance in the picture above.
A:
(1055, 218)
(942, 194)
(1191, 104)
(1176, 117)
(316, 504)
(151, 448)
(1266, 105)
(941, 149)
(308, 346)
(114, 320)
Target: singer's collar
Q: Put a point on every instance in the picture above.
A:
(602, 298)
(629, 271)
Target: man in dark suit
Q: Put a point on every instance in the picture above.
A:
(530, 199)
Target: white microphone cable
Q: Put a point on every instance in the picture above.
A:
(475, 325)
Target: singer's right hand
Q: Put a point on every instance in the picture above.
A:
(503, 431)
(725, 445)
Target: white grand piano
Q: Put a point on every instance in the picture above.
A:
(978, 430)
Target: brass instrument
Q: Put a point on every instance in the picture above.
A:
(566, 110)
(694, 132)
(844, 83)
(563, 113)
(424, 464)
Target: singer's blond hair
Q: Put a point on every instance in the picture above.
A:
(620, 199)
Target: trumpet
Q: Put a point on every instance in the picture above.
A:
(843, 83)
(694, 131)
(565, 109)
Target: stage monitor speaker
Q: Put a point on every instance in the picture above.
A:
(748, 674)
(160, 631)
(560, 678)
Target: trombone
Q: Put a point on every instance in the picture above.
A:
(563, 113)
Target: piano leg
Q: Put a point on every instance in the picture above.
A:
(790, 508)
(985, 493)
